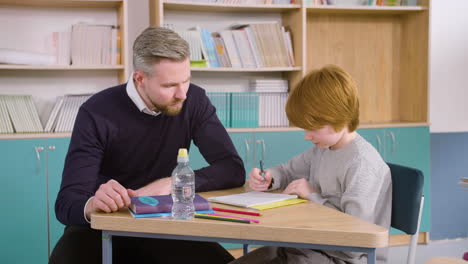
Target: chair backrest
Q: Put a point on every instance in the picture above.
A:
(407, 203)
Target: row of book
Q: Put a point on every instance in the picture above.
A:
(243, 46)
(87, 45)
(363, 2)
(18, 114)
(240, 2)
(63, 115)
(251, 109)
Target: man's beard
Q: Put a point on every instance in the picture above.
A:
(169, 109)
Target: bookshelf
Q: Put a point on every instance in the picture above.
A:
(385, 48)
(28, 25)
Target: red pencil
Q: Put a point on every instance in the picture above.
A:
(235, 211)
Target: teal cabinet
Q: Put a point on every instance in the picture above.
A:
(24, 220)
(56, 149)
(272, 147)
(407, 146)
(32, 170)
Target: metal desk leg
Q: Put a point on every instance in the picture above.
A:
(106, 247)
(371, 257)
(246, 249)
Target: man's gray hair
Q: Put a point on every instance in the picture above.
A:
(156, 43)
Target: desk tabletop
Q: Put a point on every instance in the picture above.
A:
(300, 223)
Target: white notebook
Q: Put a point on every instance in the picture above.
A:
(250, 199)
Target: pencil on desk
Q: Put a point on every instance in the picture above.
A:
(236, 217)
(221, 218)
(235, 211)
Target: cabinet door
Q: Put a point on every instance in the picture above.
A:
(375, 136)
(245, 146)
(243, 142)
(24, 220)
(279, 147)
(410, 146)
(56, 151)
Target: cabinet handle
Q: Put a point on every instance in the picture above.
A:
(262, 142)
(379, 142)
(38, 149)
(392, 135)
(247, 148)
(51, 147)
(38, 158)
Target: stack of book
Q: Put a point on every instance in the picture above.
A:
(244, 46)
(92, 45)
(161, 206)
(18, 114)
(258, 200)
(63, 115)
(273, 95)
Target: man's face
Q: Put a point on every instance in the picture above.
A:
(166, 89)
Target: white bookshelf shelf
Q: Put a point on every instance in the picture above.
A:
(220, 7)
(336, 9)
(60, 67)
(222, 69)
(64, 3)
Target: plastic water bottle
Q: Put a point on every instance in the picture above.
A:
(183, 187)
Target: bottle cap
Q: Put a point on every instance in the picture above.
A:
(182, 152)
(183, 155)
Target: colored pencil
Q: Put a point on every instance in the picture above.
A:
(221, 218)
(235, 211)
(230, 216)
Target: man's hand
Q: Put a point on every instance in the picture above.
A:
(301, 187)
(110, 197)
(161, 186)
(256, 180)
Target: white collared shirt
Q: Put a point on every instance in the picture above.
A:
(136, 98)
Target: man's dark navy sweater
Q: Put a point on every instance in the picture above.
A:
(112, 139)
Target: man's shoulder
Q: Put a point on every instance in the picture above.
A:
(105, 97)
(196, 91)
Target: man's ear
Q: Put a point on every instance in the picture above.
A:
(139, 77)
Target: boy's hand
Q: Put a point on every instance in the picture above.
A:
(256, 180)
(301, 187)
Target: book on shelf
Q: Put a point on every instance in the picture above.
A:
(18, 114)
(95, 44)
(63, 114)
(162, 204)
(257, 200)
(243, 46)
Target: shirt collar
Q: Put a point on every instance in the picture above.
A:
(136, 98)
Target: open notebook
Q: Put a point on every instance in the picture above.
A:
(251, 199)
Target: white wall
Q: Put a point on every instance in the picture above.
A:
(448, 72)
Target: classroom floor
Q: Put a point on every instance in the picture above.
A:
(397, 255)
(441, 248)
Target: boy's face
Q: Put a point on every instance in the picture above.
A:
(166, 89)
(325, 137)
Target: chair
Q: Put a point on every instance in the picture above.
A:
(407, 203)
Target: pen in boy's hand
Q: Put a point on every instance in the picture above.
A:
(262, 172)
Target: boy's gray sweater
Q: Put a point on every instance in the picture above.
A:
(353, 179)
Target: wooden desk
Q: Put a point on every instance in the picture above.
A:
(305, 225)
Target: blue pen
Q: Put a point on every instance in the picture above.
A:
(262, 172)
